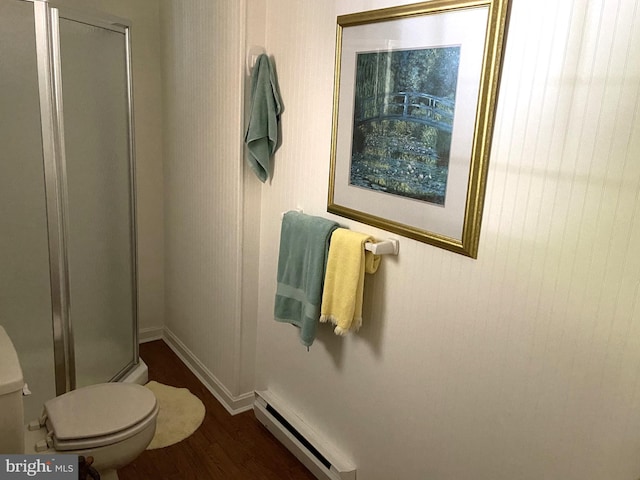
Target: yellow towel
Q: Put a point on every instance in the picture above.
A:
(344, 280)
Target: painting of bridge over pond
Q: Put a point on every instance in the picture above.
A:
(413, 114)
(403, 120)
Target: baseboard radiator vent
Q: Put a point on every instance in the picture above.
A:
(315, 453)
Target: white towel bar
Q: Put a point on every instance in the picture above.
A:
(386, 247)
(390, 246)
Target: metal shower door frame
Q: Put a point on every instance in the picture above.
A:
(47, 21)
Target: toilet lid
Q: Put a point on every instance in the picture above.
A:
(98, 410)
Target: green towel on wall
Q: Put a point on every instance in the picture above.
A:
(302, 260)
(262, 132)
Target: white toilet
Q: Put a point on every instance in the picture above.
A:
(112, 422)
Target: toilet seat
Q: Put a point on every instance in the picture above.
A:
(98, 415)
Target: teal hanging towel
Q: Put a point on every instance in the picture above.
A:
(262, 131)
(302, 260)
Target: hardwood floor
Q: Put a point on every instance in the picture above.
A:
(224, 446)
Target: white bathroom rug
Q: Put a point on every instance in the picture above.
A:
(180, 413)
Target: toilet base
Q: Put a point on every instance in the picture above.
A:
(109, 475)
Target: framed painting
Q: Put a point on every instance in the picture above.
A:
(414, 104)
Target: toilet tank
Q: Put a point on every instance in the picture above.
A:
(11, 409)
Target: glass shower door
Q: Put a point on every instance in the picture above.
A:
(99, 221)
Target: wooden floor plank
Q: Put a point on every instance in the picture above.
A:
(224, 447)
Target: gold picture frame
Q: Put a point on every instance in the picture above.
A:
(414, 105)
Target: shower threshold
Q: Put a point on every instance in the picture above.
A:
(139, 375)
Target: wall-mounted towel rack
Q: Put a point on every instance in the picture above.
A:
(385, 247)
(391, 246)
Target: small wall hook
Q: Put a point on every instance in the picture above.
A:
(252, 56)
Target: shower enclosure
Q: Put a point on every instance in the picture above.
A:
(67, 227)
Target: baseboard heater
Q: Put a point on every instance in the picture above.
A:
(314, 452)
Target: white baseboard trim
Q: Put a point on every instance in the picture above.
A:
(233, 404)
(150, 334)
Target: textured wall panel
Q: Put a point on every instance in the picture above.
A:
(203, 61)
(523, 363)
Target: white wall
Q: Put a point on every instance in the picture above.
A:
(210, 312)
(521, 364)
(525, 362)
